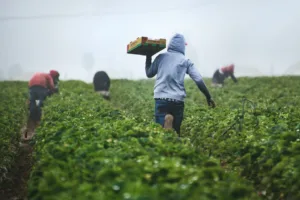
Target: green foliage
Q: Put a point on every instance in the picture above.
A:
(12, 116)
(254, 131)
(85, 149)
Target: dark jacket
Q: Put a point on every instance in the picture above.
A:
(101, 81)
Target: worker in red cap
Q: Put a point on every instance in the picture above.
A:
(221, 74)
(39, 86)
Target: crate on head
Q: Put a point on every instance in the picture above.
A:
(146, 46)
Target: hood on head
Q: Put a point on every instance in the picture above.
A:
(177, 43)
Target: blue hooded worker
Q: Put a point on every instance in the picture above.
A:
(169, 91)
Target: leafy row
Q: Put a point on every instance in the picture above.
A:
(255, 129)
(85, 149)
(12, 117)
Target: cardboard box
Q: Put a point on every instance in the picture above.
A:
(144, 46)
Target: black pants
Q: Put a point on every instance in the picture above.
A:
(37, 96)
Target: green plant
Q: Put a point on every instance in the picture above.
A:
(12, 117)
(85, 149)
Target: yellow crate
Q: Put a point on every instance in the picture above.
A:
(145, 45)
(134, 43)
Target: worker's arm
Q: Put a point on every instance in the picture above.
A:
(197, 78)
(50, 82)
(216, 73)
(233, 77)
(151, 68)
(215, 78)
(56, 82)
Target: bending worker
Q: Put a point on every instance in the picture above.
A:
(39, 86)
(101, 83)
(221, 74)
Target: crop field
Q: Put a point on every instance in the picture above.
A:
(12, 117)
(248, 147)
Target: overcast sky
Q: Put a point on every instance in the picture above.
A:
(260, 36)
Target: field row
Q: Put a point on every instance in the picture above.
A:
(85, 149)
(13, 112)
(254, 131)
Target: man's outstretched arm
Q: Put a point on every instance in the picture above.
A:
(197, 78)
(233, 78)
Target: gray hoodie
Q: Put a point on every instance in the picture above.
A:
(170, 68)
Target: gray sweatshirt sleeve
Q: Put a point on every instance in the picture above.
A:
(197, 78)
(151, 68)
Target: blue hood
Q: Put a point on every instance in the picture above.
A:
(177, 43)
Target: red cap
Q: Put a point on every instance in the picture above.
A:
(54, 73)
(229, 68)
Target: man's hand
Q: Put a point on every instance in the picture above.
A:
(211, 103)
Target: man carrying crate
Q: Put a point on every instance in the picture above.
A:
(169, 91)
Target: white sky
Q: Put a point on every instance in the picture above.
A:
(44, 34)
